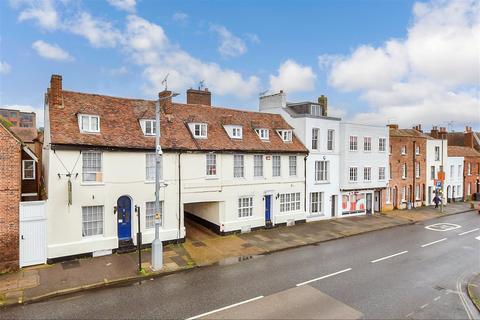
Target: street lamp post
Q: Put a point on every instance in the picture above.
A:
(157, 248)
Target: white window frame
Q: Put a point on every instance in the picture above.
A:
(258, 165)
(417, 192)
(150, 167)
(316, 202)
(292, 166)
(322, 173)
(285, 135)
(89, 118)
(290, 202)
(404, 171)
(452, 171)
(239, 166)
(151, 126)
(460, 170)
(353, 140)
(367, 174)
(433, 171)
(276, 166)
(318, 110)
(263, 134)
(403, 150)
(417, 150)
(245, 207)
(382, 144)
(381, 173)
(24, 170)
(388, 192)
(353, 174)
(330, 140)
(97, 173)
(211, 164)
(202, 130)
(417, 169)
(100, 227)
(437, 153)
(469, 169)
(315, 138)
(150, 214)
(367, 144)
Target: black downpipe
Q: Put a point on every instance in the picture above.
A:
(414, 191)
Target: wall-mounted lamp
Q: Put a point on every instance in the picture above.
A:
(115, 210)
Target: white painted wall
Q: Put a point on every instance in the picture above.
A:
(455, 178)
(431, 161)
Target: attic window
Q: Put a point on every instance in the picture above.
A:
(199, 130)
(148, 127)
(262, 133)
(234, 131)
(315, 110)
(89, 123)
(286, 135)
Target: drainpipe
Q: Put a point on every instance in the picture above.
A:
(305, 183)
(414, 191)
(179, 197)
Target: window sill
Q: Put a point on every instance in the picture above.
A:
(92, 238)
(28, 179)
(92, 183)
(321, 182)
(212, 178)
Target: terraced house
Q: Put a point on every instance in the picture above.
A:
(231, 170)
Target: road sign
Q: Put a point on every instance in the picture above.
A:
(441, 175)
(438, 184)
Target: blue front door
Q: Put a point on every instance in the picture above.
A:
(124, 209)
(268, 206)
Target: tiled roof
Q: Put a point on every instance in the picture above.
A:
(120, 128)
(458, 139)
(458, 151)
(408, 133)
(25, 134)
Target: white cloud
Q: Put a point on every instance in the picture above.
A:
(180, 17)
(4, 67)
(98, 32)
(125, 5)
(147, 45)
(51, 51)
(430, 76)
(253, 38)
(230, 44)
(293, 77)
(43, 12)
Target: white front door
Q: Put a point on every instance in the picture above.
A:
(33, 233)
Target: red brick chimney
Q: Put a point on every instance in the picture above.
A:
(166, 103)
(195, 96)
(443, 132)
(392, 126)
(55, 91)
(468, 137)
(434, 132)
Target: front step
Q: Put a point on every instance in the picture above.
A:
(268, 224)
(126, 246)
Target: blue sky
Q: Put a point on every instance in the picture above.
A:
(377, 61)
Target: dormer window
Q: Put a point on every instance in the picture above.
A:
(89, 123)
(148, 127)
(315, 110)
(263, 133)
(286, 135)
(234, 131)
(199, 130)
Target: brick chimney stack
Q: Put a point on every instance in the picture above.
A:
(468, 137)
(443, 133)
(55, 91)
(393, 126)
(166, 104)
(434, 132)
(323, 102)
(199, 96)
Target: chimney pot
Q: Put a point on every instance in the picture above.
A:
(392, 126)
(323, 102)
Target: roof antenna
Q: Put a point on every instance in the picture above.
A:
(164, 81)
(261, 94)
(201, 84)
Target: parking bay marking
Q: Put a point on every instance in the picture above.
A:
(430, 243)
(224, 308)
(466, 232)
(388, 257)
(323, 277)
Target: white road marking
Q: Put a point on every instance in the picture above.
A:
(224, 308)
(424, 306)
(387, 257)
(478, 238)
(442, 227)
(320, 278)
(429, 244)
(410, 314)
(437, 298)
(473, 230)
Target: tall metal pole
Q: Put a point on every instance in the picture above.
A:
(444, 178)
(157, 248)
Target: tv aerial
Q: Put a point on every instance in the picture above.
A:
(201, 84)
(164, 81)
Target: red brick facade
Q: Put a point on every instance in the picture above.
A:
(471, 169)
(408, 149)
(10, 191)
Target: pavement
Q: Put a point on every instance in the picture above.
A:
(474, 290)
(412, 272)
(202, 248)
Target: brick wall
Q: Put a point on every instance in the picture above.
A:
(10, 179)
(199, 97)
(396, 183)
(471, 179)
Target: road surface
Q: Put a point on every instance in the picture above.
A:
(399, 273)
